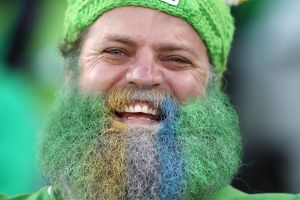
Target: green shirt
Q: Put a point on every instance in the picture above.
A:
(43, 194)
(226, 193)
(230, 193)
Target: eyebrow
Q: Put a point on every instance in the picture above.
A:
(121, 39)
(168, 47)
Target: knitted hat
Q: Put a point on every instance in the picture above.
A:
(210, 18)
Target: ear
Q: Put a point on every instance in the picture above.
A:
(234, 2)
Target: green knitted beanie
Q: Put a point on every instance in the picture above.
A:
(210, 18)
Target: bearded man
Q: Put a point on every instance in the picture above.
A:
(142, 114)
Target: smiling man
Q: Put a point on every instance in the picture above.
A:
(141, 114)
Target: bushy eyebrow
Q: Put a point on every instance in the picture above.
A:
(121, 39)
(168, 47)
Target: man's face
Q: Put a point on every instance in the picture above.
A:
(147, 49)
(139, 123)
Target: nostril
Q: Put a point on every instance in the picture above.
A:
(144, 77)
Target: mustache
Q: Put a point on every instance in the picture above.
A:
(118, 97)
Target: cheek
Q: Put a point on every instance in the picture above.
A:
(187, 84)
(100, 78)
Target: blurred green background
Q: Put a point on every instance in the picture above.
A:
(30, 72)
(263, 81)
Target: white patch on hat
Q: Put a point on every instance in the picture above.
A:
(49, 190)
(234, 2)
(172, 2)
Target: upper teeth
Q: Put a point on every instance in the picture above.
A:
(140, 108)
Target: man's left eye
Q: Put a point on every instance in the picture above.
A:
(179, 60)
(176, 63)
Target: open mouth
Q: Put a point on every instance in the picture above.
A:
(139, 113)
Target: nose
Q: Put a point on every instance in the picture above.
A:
(144, 72)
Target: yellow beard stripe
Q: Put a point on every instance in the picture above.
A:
(112, 167)
(112, 170)
(118, 99)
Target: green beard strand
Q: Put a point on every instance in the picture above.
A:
(87, 155)
(208, 132)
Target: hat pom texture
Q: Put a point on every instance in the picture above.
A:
(211, 19)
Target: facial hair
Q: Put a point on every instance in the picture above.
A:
(87, 154)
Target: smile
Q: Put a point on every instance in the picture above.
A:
(139, 113)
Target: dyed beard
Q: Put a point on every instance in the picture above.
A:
(87, 155)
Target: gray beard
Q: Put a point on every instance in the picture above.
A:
(143, 164)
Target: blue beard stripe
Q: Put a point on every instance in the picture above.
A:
(170, 156)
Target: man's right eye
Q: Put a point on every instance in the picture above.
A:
(115, 51)
(115, 55)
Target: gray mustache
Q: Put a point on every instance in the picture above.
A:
(154, 97)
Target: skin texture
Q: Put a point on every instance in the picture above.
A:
(149, 49)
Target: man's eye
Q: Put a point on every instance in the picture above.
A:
(115, 51)
(179, 60)
(177, 63)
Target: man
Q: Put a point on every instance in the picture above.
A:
(141, 114)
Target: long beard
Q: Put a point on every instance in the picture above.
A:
(88, 155)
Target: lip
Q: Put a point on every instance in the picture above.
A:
(138, 113)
